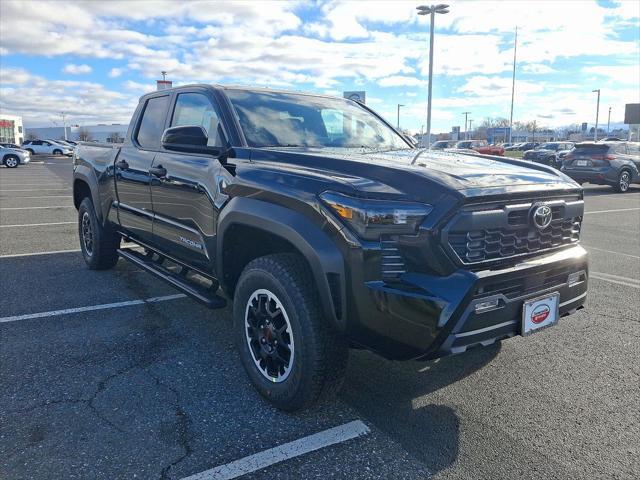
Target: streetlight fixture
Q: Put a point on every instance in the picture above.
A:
(432, 10)
(595, 130)
(398, 121)
(465, 124)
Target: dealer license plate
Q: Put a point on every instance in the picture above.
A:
(540, 312)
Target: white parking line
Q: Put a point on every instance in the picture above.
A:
(31, 254)
(37, 190)
(90, 308)
(284, 452)
(46, 196)
(611, 251)
(617, 279)
(611, 211)
(39, 185)
(37, 224)
(38, 208)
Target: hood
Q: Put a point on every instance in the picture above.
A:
(13, 150)
(466, 173)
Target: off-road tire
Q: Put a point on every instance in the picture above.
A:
(102, 253)
(321, 354)
(624, 181)
(11, 161)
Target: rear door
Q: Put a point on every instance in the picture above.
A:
(184, 196)
(132, 166)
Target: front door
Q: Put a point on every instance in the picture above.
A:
(135, 211)
(185, 186)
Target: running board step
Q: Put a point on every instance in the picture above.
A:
(178, 280)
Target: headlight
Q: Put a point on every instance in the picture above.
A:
(372, 218)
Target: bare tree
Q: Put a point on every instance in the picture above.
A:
(84, 135)
(115, 137)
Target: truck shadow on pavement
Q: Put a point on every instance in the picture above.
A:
(390, 395)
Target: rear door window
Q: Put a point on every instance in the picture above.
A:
(152, 123)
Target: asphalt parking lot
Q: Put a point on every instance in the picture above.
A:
(112, 375)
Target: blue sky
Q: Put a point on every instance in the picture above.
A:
(93, 59)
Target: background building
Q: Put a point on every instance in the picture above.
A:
(11, 129)
(113, 133)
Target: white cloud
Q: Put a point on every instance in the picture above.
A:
(624, 74)
(74, 69)
(401, 81)
(37, 99)
(115, 72)
(537, 68)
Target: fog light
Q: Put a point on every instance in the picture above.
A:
(574, 278)
(487, 305)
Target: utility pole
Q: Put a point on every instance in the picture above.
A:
(64, 125)
(465, 124)
(609, 121)
(432, 10)
(470, 129)
(398, 121)
(513, 82)
(595, 130)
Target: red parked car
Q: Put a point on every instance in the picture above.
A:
(480, 146)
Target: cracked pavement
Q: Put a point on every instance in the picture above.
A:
(156, 391)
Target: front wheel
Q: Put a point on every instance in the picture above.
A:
(11, 161)
(624, 181)
(291, 354)
(99, 244)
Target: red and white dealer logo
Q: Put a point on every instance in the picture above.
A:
(540, 313)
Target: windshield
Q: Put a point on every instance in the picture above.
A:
(548, 146)
(463, 144)
(274, 119)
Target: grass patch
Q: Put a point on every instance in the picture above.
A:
(514, 154)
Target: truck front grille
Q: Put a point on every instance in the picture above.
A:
(488, 233)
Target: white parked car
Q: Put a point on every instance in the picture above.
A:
(62, 142)
(12, 157)
(49, 147)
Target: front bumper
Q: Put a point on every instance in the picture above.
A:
(425, 316)
(24, 159)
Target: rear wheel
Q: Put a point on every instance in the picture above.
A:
(624, 181)
(291, 354)
(11, 161)
(99, 244)
(57, 152)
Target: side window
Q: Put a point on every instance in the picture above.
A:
(37, 142)
(621, 149)
(152, 124)
(46, 143)
(197, 109)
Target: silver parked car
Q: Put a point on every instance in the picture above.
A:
(12, 157)
(616, 164)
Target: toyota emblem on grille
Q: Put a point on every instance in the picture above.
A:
(542, 216)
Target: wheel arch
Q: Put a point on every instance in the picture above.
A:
(276, 229)
(86, 185)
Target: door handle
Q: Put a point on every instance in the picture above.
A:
(122, 164)
(158, 171)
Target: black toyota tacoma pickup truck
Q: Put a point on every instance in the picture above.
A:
(328, 231)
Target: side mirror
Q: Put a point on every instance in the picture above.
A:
(188, 138)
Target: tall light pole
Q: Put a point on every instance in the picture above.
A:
(432, 10)
(595, 130)
(398, 121)
(465, 123)
(609, 121)
(513, 82)
(470, 130)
